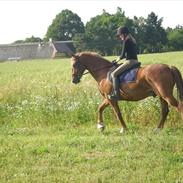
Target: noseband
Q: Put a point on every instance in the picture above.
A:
(78, 66)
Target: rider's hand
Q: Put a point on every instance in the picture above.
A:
(114, 62)
(118, 59)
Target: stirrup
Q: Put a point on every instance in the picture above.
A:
(114, 96)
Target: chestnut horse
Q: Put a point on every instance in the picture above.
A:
(157, 79)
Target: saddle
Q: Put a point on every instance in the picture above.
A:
(127, 76)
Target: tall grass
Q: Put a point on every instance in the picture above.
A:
(40, 93)
(48, 129)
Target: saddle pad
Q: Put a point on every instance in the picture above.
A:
(129, 76)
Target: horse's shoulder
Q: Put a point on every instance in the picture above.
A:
(105, 86)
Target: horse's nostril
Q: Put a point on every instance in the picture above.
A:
(75, 81)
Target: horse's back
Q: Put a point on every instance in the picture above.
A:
(157, 71)
(160, 77)
(150, 80)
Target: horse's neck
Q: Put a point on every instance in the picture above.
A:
(98, 68)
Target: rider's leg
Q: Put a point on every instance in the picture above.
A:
(115, 82)
(116, 93)
(126, 65)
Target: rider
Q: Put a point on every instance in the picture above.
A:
(129, 51)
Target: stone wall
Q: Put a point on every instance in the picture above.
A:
(22, 51)
(30, 50)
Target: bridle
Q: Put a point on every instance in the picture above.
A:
(78, 66)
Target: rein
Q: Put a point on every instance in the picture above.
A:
(114, 63)
(96, 70)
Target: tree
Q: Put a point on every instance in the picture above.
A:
(139, 32)
(31, 39)
(65, 26)
(155, 35)
(175, 38)
(100, 32)
(18, 42)
(80, 42)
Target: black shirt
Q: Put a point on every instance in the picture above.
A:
(130, 50)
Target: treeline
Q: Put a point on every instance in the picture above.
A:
(99, 33)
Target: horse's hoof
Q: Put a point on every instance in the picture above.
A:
(157, 130)
(122, 130)
(101, 126)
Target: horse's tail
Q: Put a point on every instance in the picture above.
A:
(178, 80)
(179, 83)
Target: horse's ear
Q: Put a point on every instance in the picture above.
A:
(75, 56)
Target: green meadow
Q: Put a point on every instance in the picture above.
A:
(48, 129)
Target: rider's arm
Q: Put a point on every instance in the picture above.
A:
(118, 59)
(122, 56)
(123, 51)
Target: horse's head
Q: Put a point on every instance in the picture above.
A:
(77, 69)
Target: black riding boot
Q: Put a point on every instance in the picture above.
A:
(116, 94)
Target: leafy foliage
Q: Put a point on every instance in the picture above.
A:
(150, 35)
(65, 26)
(31, 39)
(175, 38)
(154, 33)
(99, 33)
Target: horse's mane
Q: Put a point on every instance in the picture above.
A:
(92, 54)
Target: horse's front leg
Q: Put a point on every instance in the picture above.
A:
(116, 109)
(100, 122)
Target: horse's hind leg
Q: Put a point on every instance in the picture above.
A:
(164, 112)
(100, 122)
(172, 101)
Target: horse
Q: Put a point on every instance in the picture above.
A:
(157, 79)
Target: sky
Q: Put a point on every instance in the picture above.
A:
(22, 19)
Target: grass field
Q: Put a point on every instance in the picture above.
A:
(48, 129)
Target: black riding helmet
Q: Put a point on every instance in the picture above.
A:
(122, 30)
